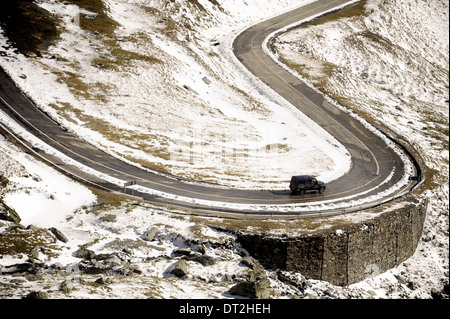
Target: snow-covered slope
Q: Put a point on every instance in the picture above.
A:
(154, 91)
(391, 63)
(157, 90)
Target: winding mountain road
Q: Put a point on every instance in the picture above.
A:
(375, 167)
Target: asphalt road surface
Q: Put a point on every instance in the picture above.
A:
(372, 160)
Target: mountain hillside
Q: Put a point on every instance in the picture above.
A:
(150, 82)
(154, 82)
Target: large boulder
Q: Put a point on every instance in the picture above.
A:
(150, 234)
(66, 286)
(252, 263)
(182, 251)
(58, 234)
(107, 264)
(293, 279)
(8, 214)
(36, 295)
(84, 253)
(109, 259)
(255, 288)
(180, 268)
(205, 260)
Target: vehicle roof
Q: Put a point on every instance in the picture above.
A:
(303, 177)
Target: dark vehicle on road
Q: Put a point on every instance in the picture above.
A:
(302, 183)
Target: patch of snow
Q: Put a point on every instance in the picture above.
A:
(48, 199)
(208, 131)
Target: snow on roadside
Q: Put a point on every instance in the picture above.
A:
(83, 226)
(183, 115)
(268, 156)
(396, 72)
(45, 199)
(40, 195)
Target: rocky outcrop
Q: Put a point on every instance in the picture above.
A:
(440, 293)
(205, 260)
(108, 264)
(84, 253)
(255, 287)
(58, 234)
(180, 269)
(8, 214)
(150, 234)
(36, 295)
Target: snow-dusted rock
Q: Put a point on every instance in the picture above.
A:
(58, 234)
(257, 288)
(84, 253)
(8, 214)
(180, 269)
(150, 234)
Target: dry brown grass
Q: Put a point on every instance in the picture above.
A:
(29, 28)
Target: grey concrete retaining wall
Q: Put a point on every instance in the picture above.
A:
(348, 255)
